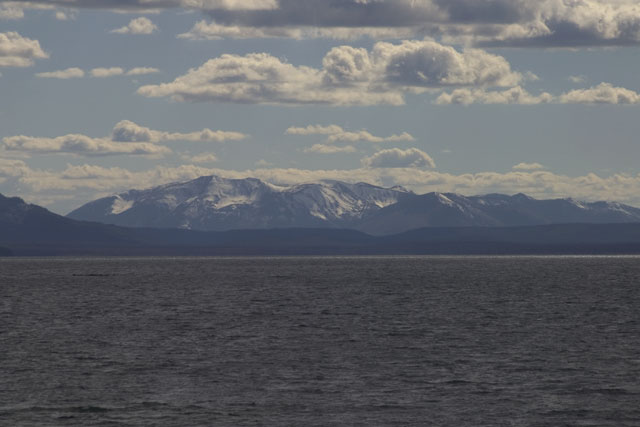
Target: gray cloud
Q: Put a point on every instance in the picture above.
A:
(523, 23)
(397, 158)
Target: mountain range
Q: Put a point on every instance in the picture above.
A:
(212, 203)
(27, 230)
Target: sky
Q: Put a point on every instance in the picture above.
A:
(469, 96)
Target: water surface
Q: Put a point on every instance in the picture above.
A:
(381, 341)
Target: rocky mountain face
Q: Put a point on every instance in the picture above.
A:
(215, 204)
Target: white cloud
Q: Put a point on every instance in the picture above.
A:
(69, 73)
(75, 72)
(18, 51)
(314, 130)
(329, 149)
(141, 25)
(11, 11)
(528, 166)
(142, 70)
(203, 30)
(102, 72)
(397, 158)
(604, 93)
(128, 131)
(260, 78)
(79, 145)
(365, 136)
(578, 79)
(127, 138)
(514, 95)
(201, 158)
(336, 133)
(349, 76)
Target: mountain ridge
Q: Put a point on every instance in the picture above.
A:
(212, 203)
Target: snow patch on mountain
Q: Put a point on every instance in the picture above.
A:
(120, 205)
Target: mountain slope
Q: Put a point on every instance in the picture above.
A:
(217, 204)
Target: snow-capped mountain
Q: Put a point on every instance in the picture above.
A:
(215, 203)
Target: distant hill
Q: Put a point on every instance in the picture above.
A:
(32, 230)
(213, 203)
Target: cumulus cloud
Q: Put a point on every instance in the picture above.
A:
(127, 138)
(349, 76)
(397, 158)
(69, 73)
(19, 51)
(559, 23)
(430, 64)
(329, 149)
(528, 166)
(102, 72)
(141, 25)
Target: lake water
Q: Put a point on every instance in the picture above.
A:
(411, 341)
